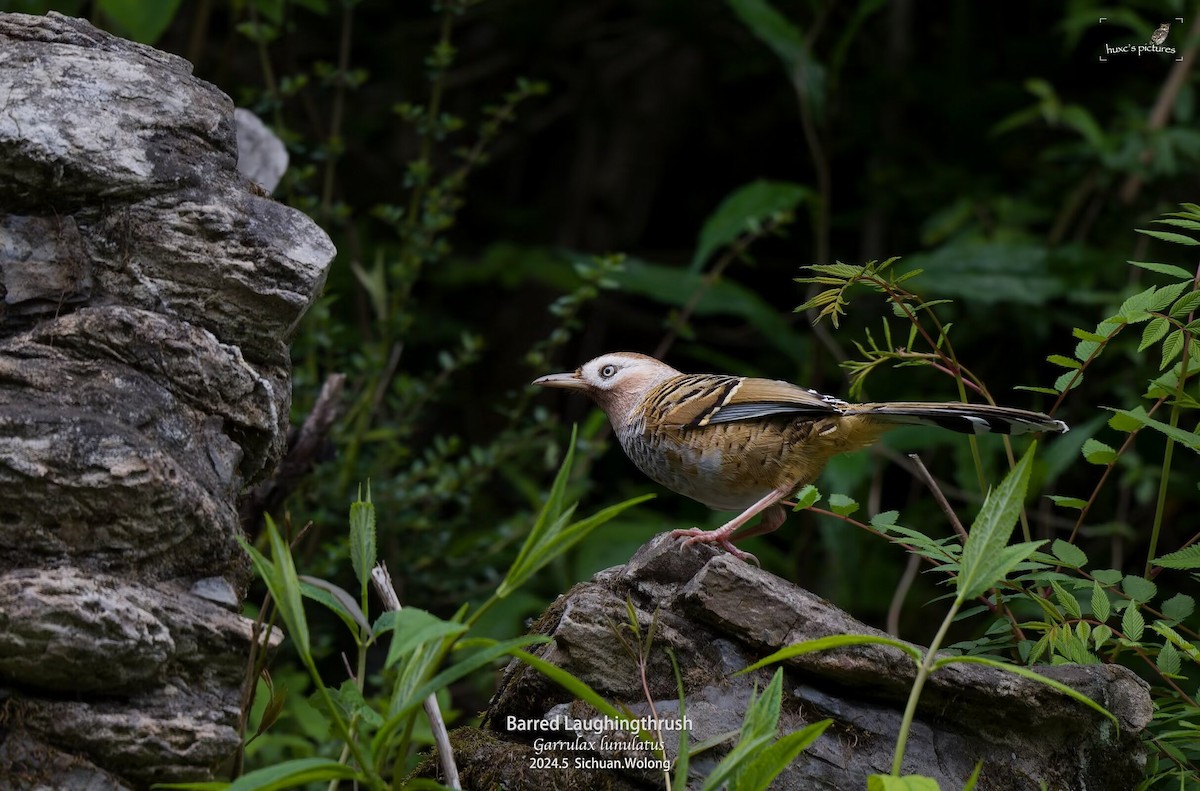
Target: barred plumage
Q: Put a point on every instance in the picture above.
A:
(741, 444)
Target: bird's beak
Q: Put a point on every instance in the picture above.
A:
(568, 381)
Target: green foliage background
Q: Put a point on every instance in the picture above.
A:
(481, 164)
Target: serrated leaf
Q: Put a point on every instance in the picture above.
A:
(1096, 452)
(1134, 308)
(1069, 554)
(1066, 600)
(1168, 659)
(1186, 304)
(1031, 389)
(842, 505)
(1123, 424)
(1065, 362)
(1107, 576)
(1171, 348)
(1165, 295)
(1191, 225)
(1067, 381)
(1068, 502)
(991, 530)
(1100, 635)
(807, 497)
(1089, 337)
(1179, 607)
(1154, 332)
(1101, 606)
(1167, 236)
(885, 519)
(1138, 588)
(1164, 269)
(1185, 438)
(1132, 623)
(1184, 559)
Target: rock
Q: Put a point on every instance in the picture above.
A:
(148, 291)
(718, 615)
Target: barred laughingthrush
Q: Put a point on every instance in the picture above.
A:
(737, 443)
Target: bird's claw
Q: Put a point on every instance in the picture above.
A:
(695, 535)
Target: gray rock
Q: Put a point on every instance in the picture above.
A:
(148, 291)
(718, 614)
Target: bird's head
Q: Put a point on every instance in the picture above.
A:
(617, 381)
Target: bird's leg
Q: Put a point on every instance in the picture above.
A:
(772, 519)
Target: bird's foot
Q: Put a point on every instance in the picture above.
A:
(719, 537)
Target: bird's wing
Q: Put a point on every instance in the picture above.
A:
(698, 400)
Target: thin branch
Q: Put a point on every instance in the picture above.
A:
(382, 581)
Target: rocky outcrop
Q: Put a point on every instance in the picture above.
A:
(717, 615)
(147, 293)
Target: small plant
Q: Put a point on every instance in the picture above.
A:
(1055, 606)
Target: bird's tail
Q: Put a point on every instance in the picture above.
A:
(963, 418)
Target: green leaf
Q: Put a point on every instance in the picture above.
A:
(362, 537)
(807, 497)
(1066, 600)
(745, 210)
(1107, 576)
(1097, 452)
(1101, 606)
(141, 21)
(1186, 304)
(1138, 588)
(1065, 362)
(1164, 269)
(833, 641)
(279, 575)
(842, 505)
(758, 731)
(1168, 660)
(1167, 236)
(413, 628)
(1179, 607)
(981, 565)
(1132, 623)
(1068, 380)
(906, 783)
(1154, 332)
(553, 533)
(773, 29)
(291, 774)
(1185, 438)
(1184, 559)
(1171, 348)
(1165, 295)
(1068, 502)
(337, 599)
(1069, 554)
(769, 762)
(1134, 308)
(1100, 635)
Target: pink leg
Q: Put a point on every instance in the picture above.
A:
(772, 519)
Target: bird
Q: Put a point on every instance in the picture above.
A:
(1160, 34)
(737, 443)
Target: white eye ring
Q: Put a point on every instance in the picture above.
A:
(607, 371)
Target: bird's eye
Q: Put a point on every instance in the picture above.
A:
(607, 371)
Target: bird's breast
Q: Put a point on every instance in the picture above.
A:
(728, 466)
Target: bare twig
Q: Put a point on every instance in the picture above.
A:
(937, 495)
(387, 594)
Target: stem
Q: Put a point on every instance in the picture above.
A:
(923, 671)
(1164, 476)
